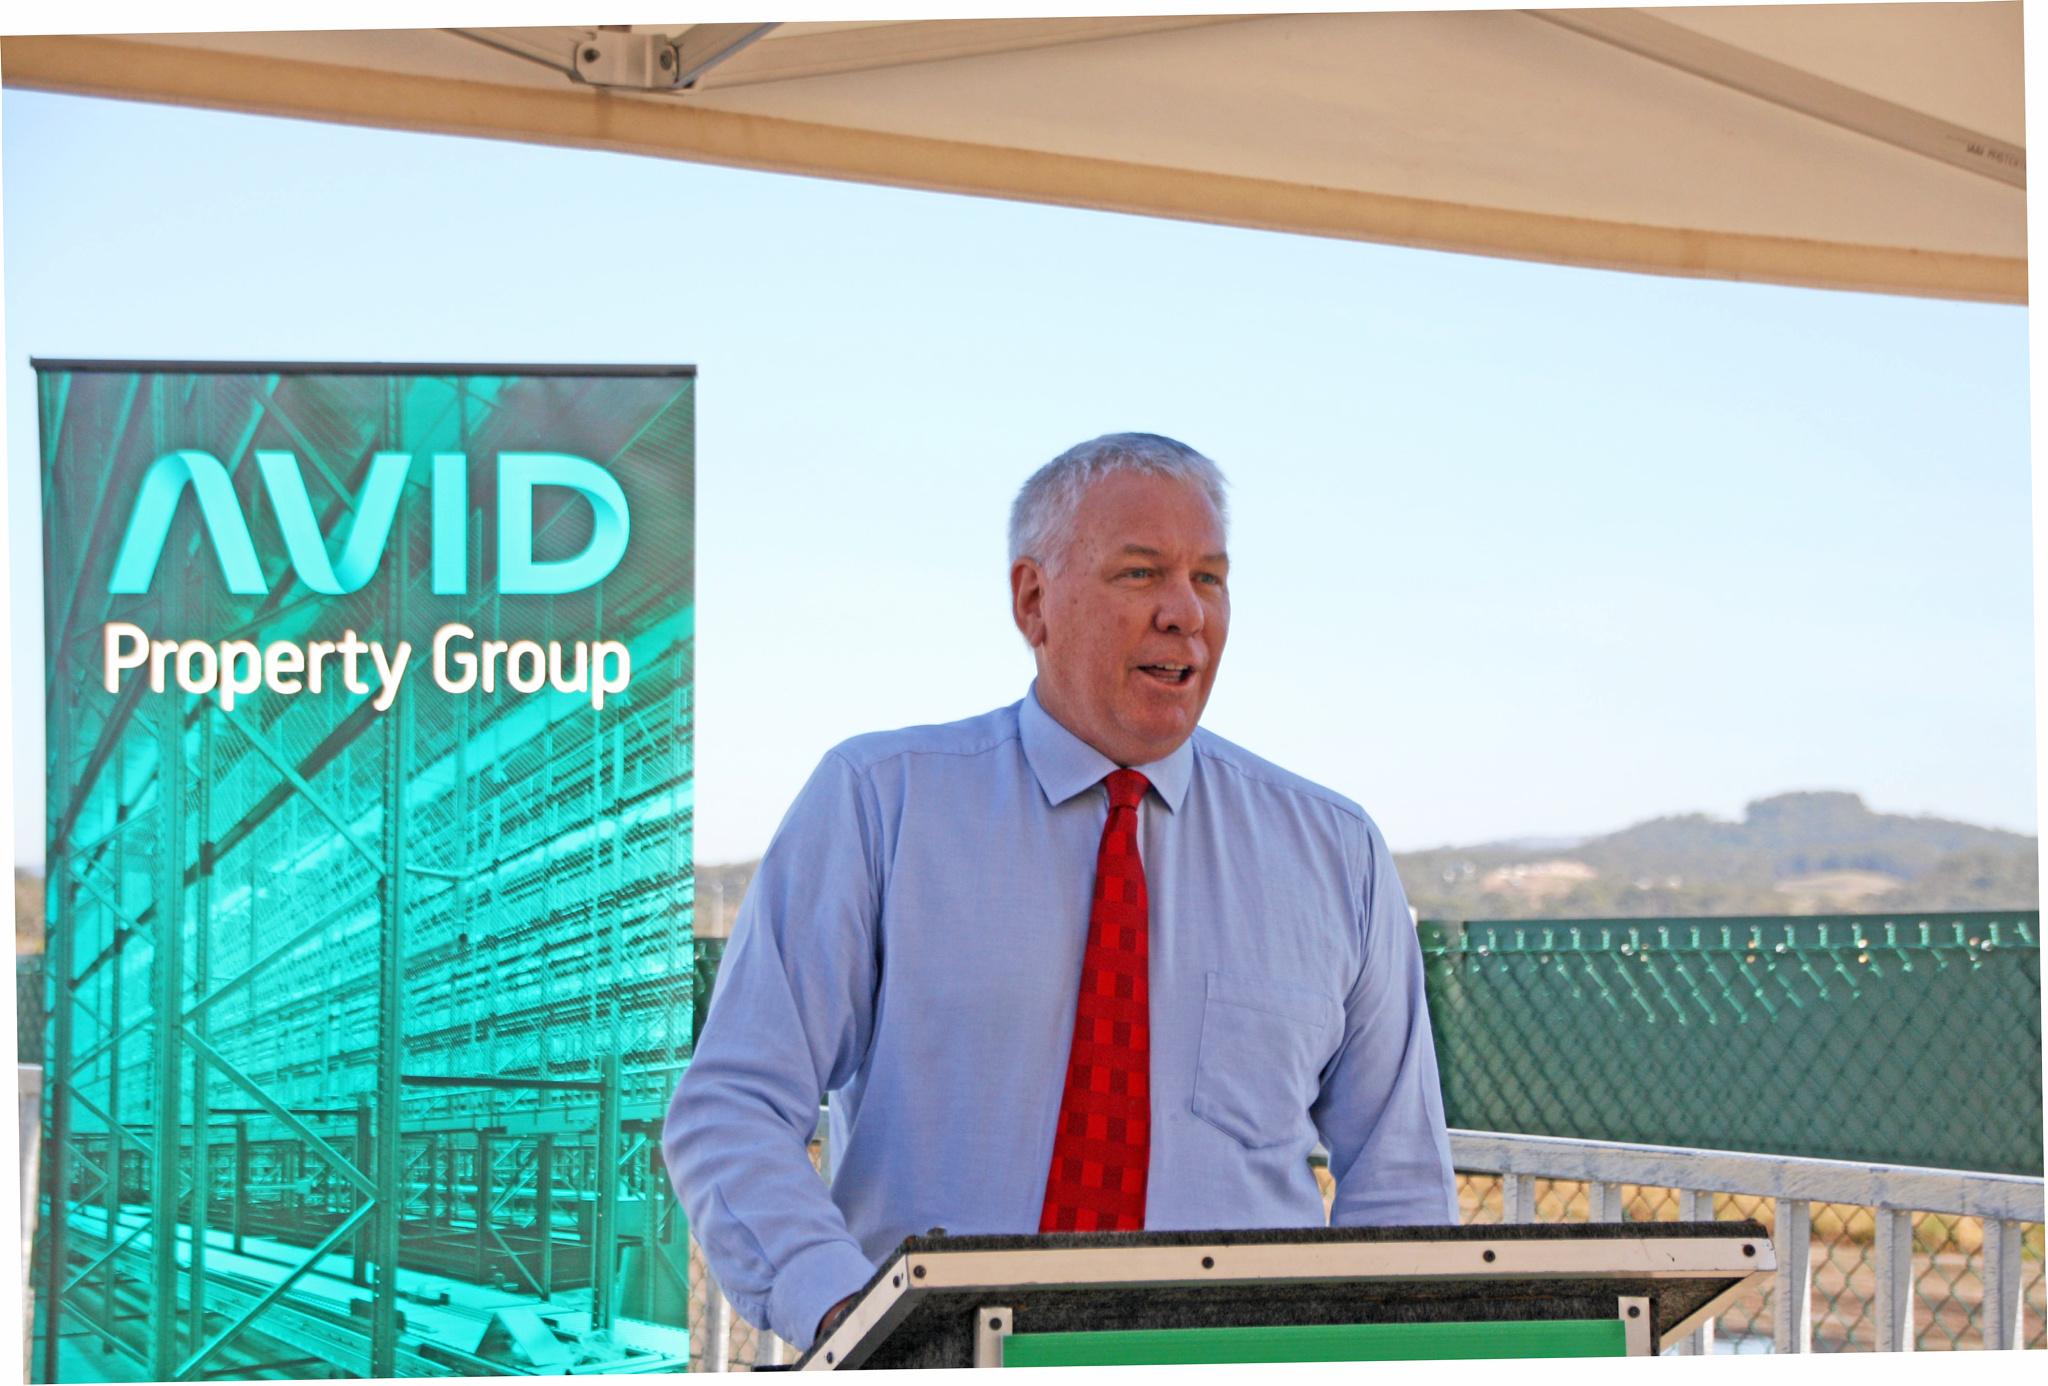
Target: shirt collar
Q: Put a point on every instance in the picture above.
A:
(1065, 764)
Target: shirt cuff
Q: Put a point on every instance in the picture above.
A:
(811, 1282)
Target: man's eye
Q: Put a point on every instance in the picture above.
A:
(1213, 579)
(1138, 572)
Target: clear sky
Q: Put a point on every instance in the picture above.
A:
(1518, 550)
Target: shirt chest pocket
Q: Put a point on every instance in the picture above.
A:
(1263, 1046)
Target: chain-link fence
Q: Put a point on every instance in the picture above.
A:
(28, 1008)
(1948, 1265)
(1912, 1040)
(1903, 1040)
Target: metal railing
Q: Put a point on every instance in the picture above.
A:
(2007, 1205)
(1547, 1178)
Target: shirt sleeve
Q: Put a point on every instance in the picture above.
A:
(790, 1020)
(1381, 1109)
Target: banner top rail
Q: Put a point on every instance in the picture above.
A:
(48, 363)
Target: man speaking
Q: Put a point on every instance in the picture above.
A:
(1071, 965)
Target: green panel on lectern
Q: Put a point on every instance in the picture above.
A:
(1349, 1342)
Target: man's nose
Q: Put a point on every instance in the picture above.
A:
(1180, 609)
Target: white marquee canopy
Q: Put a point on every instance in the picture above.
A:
(1875, 147)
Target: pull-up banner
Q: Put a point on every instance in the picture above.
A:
(370, 879)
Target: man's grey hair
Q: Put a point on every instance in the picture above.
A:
(1042, 517)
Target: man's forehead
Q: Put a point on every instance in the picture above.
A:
(1147, 551)
(1182, 529)
(1144, 506)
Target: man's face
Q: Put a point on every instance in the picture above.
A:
(1128, 627)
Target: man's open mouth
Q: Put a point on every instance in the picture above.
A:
(1168, 673)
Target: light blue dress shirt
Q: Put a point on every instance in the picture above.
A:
(912, 945)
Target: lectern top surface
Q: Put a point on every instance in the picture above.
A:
(921, 1307)
(1326, 1236)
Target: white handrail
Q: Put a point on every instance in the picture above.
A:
(1795, 1183)
(2008, 1197)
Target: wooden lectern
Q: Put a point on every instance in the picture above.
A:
(1296, 1295)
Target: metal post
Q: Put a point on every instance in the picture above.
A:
(57, 1153)
(391, 950)
(1894, 1255)
(117, 1153)
(2004, 1312)
(676, 1243)
(612, 919)
(360, 1272)
(486, 1156)
(241, 1177)
(991, 1329)
(717, 1327)
(824, 1137)
(1518, 1197)
(604, 1252)
(202, 1182)
(1603, 1202)
(615, 972)
(168, 1000)
(1697, 1205)
(544, 1210)
(1792, 1290)
(650, 1226)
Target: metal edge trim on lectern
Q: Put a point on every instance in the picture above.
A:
(1634, 1313)
(1654, 1258)
(992, 1324)
(883, 1307)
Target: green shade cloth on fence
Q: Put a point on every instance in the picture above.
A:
(1907, 1039)
(28, 1008)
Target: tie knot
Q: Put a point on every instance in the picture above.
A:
(1126, 788)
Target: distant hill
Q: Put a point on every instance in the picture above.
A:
(1804, 853)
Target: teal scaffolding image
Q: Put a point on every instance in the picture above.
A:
(369, 872)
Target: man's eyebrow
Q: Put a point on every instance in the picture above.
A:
(1144, 551)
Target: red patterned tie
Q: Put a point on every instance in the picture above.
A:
(1097, 1180)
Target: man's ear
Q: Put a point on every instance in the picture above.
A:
(1027, 600)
